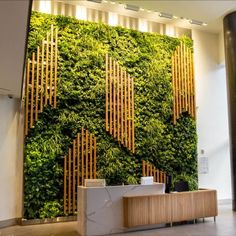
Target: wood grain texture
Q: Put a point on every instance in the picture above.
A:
(51, 67)
(73, 176)
(82, 155)
(136, 211)
(86, 154)
(27, 97)
(110, 95)
(55, 68)
(46, 71)
(32, 92)
(78, 160)
(119, 104)
(183, 82)
(69, 181)
(40, 82)
(37, 84)
(168, 208)
(107, 93)
(65, 184)
(80, 163)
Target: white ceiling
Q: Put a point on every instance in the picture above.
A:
(13, 28)
(211, 12)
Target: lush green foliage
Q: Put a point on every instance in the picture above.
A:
(81, 96)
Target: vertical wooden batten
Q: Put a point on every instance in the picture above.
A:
(183, 82)
(40, 82)
(149, 169)
(78, 167)
(119, 104)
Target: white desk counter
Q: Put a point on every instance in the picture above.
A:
(100, 209)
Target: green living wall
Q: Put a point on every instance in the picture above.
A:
(81, 103)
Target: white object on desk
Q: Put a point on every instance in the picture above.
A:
(94, 182)
(148, 180)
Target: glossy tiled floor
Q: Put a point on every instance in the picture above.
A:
(225, 226)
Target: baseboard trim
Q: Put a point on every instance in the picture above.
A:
(48, 220)
(9, 222)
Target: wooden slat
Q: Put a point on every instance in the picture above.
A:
(65, 184)
(32, 93)
(51, 67)
(46, 76)
(148, 169)
(107, 92)
(129, 115)
(143, 168)
(151, 172)
(125, 109)
(42, 79)
(173, 89)
(132, 87)
(118, 100)
(69, 182)
(185, 79)
(191, 84)
(182, 75)
(78, 160)
(82, 154)
(155, 174)
(114, 98)
(91, 156)
(55, 69)
(86, 152)
(180, 80)
(74, 180)
(194, 100)
(158, 177)
(122, 106)
(27, 97)
(176, 84)
(95, 158)
(110, 95)
(37, 84)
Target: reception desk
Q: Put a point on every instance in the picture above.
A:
(100, 209)
(168, 208)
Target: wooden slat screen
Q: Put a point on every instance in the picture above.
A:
(41, 79)
(183, 82)
(79, 164)
(150, 170)
(119, 104)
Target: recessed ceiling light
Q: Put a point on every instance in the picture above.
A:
(196, 22)
(97, 1)
(131, 7)
(166, 15)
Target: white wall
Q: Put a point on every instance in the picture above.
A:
(212, 112)
(11, 158)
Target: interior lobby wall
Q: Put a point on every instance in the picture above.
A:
(212, 112)
(11, 156)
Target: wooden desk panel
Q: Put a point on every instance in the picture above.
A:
(168, 208)
(136, 211)
(160, 209)
(181, 205)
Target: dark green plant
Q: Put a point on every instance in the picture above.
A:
(192, 183)
(51, 210)
(81, 103)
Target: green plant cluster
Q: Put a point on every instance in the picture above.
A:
(81, 103)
